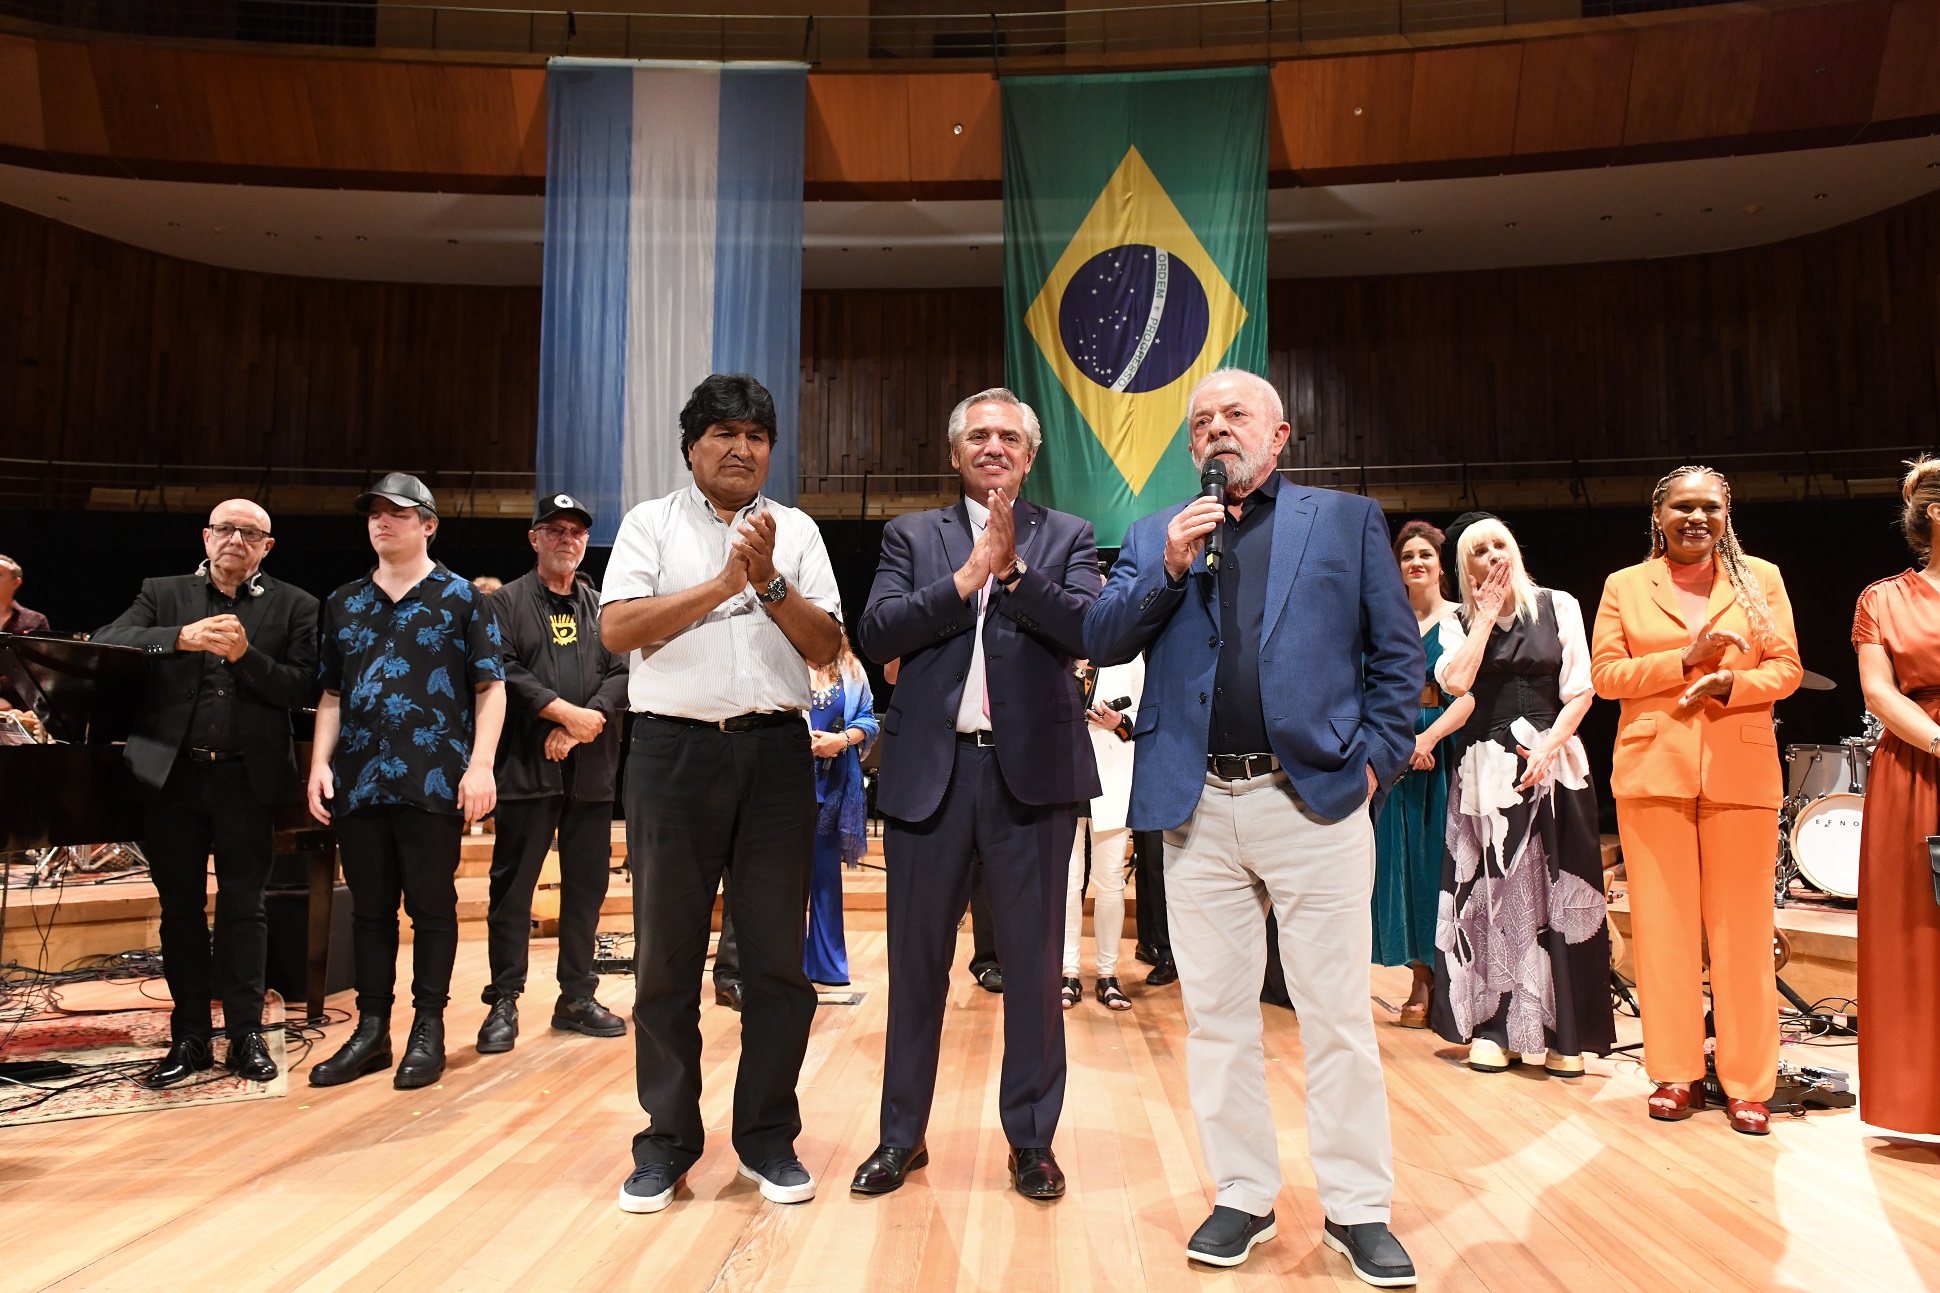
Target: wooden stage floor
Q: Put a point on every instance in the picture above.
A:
(504, 1176)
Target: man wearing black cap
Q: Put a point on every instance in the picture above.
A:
(413, 698)
(556, 765)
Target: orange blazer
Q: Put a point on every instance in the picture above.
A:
(1724, 750)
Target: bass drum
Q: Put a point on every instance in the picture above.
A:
(1825, 843)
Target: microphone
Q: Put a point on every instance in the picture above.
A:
(1124, 729)
(1212, 484)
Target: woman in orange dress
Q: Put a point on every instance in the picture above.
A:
(1697, 642)
(1896, 630)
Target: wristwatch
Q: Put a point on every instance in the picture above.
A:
(1016, 572)
(776, 591)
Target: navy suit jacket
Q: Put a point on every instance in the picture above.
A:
(1341, 664)
(1031, 636)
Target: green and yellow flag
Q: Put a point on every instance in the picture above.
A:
(1134, 264)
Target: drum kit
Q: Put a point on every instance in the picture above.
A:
(1825, 801)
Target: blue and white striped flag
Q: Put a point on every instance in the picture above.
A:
(673, 250)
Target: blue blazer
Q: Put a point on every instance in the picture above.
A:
(1030, 638)
(1341, 666)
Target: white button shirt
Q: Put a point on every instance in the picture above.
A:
(970, 715)
(735, 660)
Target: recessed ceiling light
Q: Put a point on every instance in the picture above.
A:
(1357, 112)
(1367, 233)
(269, 233)
(976, 249)
(1510, 225)
(1414, 231)
(1606, 217)
(957, 129)
(59, 198)
(889, 249)
(1818, 197)
(175, 224)
(1752, 208)
(1327, 235)
(1704, 210)
(317, 237)
(452, 241)
(361, 238)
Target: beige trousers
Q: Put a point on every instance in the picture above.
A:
(1251, 843)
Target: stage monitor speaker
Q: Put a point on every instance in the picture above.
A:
(289, 943)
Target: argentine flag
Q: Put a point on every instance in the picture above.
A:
(673, 250)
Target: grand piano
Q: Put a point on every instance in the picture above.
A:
(75, 788)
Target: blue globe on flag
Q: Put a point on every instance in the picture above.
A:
(1134, 318)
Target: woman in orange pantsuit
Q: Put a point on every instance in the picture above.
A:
(1697, 643)
(1896, 631)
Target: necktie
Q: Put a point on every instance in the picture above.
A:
(990, 586)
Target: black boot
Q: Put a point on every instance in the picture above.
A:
(501, 1027)
(367, 1051)
(585, 1015)
(424, 1054)
(249, 1057)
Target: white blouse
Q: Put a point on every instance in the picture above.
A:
(1575, 678)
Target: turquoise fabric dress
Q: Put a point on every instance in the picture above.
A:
(1408, 842)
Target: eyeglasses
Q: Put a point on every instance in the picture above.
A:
(562, 533)
(249, 534)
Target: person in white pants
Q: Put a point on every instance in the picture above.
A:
(1108, 836)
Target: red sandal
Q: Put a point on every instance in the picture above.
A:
(1676, 1101)
(1749, 1116)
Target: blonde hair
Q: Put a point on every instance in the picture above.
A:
(1744, 584)
(1521, 589)
(845, 664)
(1920, 490)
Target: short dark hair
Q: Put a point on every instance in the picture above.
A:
(725, 397)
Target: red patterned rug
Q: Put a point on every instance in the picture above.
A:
(105, 1049)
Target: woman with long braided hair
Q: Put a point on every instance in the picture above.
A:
(1697, 643)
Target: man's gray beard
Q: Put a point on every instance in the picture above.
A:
(1241, 478)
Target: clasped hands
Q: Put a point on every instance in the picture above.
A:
(1708, 647)
(221, 635)
(995, 550)
(751, 556)
(577, 725)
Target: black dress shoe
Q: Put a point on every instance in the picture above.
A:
(1165, 972)
(1228, 1235)
(249, 1059)
(1036, 1174)
(1374, 1253)
(424, 1053)
(727, 992)
(500, 1031)
(886, 1169)
(367, 1051)
(184, 1060)
(991, 978)
(585, 1015)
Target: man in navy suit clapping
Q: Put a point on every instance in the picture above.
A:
(985, 756)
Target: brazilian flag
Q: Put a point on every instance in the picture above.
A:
(1134, 265)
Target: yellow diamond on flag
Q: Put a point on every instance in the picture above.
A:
(1133, 315)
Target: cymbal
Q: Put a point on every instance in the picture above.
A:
(1816, 682)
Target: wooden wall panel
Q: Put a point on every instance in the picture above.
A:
(1462, 102)
(937, 104)
(1344, 113)
(1821, 68)
(1573, 94)
(1695, 80)
(261, 115)
(20, 108)
(1909, 74)
(858, 130)
(116, 354)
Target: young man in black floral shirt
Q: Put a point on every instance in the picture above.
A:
(413, 699)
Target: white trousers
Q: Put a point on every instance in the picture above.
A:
(1108, 908)
(1251, 843)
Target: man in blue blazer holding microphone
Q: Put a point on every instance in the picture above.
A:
(1280, 694)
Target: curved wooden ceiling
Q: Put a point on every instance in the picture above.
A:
(1711, 82)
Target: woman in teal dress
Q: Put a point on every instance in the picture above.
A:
(1408, 837)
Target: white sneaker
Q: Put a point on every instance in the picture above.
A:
(783, 1179)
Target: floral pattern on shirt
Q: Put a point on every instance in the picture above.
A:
(406, 731)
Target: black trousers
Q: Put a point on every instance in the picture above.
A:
(390, 851)
(699, 801)
(983, 933)
(1148, 857)
(204, 807)
(1024, 850)
(727, 953)
(525, 831)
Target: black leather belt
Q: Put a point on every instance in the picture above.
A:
(982, 740)
(739, 723)
(1240, 767)
(197, 754)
